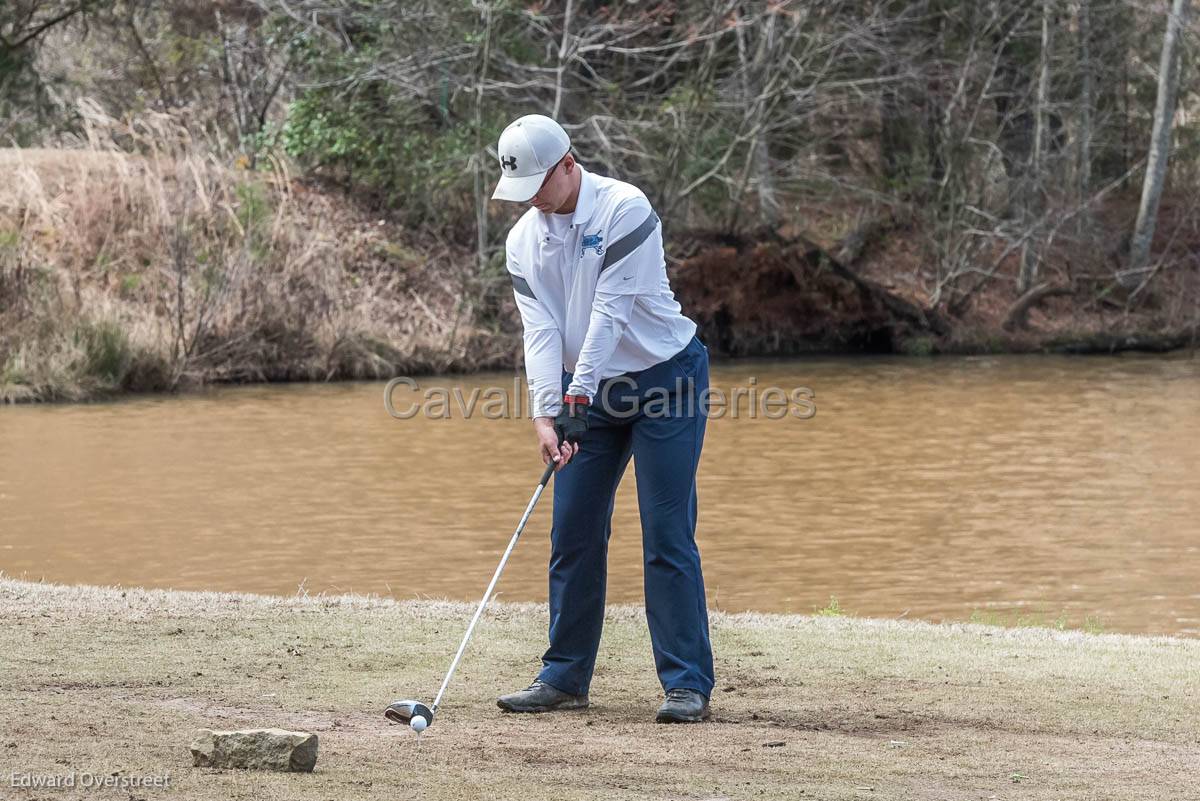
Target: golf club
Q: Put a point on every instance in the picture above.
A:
(418, 715)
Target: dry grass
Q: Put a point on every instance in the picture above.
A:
(142, 260)
(105, 679)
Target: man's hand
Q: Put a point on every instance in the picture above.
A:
(572, 422)
(548, 444)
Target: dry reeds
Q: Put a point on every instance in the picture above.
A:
(143, 261)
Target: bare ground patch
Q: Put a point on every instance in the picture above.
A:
(105, 679)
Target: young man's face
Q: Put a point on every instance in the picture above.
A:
(557, 187)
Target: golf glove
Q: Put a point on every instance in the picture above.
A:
(572, 421)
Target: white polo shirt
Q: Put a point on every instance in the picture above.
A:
(593, 292)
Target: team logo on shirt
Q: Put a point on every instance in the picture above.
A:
(592, 241)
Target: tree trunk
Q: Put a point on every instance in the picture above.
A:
(1030, 252)
(1086, 92)
(1016, 59)
(482, 162)
(562, 62)
(752, 69)
(1160, 143)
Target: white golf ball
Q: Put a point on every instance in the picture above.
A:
(418, 723)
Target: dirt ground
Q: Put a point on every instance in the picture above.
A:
(103, 680)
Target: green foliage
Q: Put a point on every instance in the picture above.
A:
(381, 146)
(254, 209)
(72, 359)
(690, 107)
(1035, 619)
(21, 92)
(253, 213)
(917, 346)
(832, 609)
(410, 146)
(106, 352)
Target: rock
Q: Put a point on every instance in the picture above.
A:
(256, 749)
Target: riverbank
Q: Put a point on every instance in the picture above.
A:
(96, 679)
(171, 268)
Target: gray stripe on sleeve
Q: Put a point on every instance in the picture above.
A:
(629, 243)
(522, 286)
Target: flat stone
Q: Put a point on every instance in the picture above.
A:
(256, 749)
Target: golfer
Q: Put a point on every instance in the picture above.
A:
(615, 369)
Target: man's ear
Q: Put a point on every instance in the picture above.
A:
(568, 163)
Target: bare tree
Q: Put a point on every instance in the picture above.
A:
(26, 20)
(1086, 101)
(1035, 200)
(1160, 146)
(982, 124)
(254, 66)
(24, 25)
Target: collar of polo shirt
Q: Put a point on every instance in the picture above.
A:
(586, 201)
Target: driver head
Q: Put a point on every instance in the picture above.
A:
(405, 711)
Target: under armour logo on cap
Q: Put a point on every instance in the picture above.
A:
(509, 162)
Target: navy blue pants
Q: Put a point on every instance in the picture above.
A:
(657, 416)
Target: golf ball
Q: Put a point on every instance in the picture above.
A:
(418, 723)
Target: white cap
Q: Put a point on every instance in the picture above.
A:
(528, 147)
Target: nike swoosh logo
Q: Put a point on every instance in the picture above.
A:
(626, 278)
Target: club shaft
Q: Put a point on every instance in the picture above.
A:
(537, 493)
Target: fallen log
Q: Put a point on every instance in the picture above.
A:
(1018, 313)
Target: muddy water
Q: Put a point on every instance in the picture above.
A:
(936, 489)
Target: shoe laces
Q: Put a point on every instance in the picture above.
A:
(678, 694)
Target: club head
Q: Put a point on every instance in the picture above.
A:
(405, 711)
